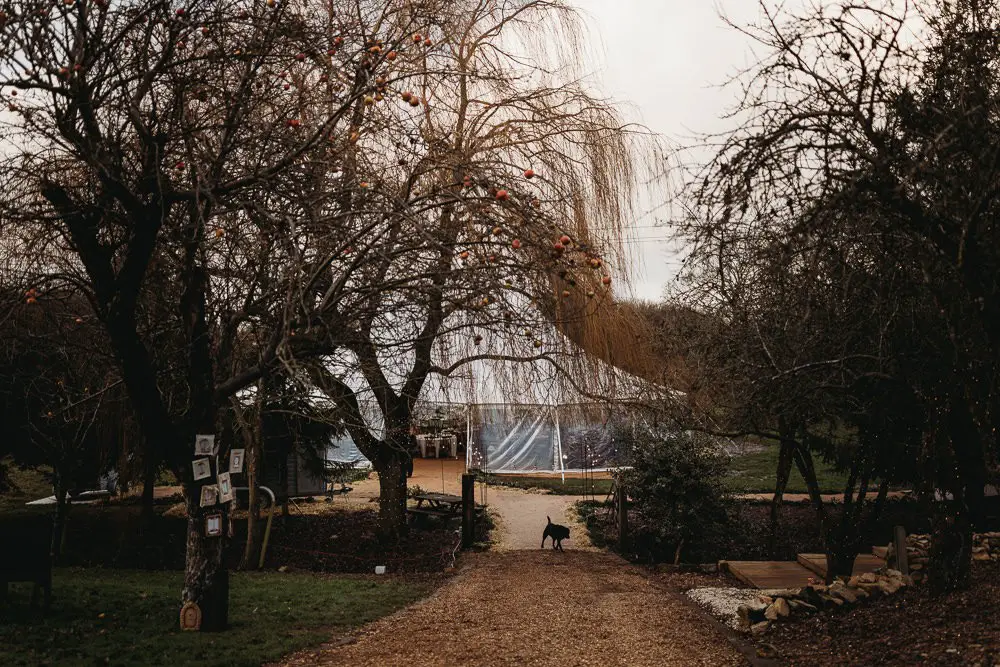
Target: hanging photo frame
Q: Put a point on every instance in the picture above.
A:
(202, 468)
(236, 461)
(225, 487)
(213, 525)
(204, 445)
(209, 495)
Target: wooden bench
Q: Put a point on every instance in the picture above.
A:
(27, 557)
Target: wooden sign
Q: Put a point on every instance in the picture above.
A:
(209, 495)
(225, 488)
(213, 525)
(204, 445)
(202, 468)
(236, 461)
(190, 616)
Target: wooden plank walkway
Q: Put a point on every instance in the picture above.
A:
(792, 574)
(863, 563)
(770, 573)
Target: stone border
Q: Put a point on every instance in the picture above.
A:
(775, 605)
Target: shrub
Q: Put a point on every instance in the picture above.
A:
(674, 481)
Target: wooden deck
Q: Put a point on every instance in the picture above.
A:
(792, 574)
(769, 573)
(817, 563)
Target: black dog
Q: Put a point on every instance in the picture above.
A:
(557, 533)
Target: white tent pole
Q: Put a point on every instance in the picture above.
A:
(559, 452)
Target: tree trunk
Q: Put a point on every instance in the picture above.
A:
(206, 579)
(59, 522)
(252, 461)
(841, 552)
(951, 548)
(785, 461)
(148, 485)
(392, 497)
(803, 461)
(843, 538)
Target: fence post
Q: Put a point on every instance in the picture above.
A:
(468, 510)
(621, 498)
(899, 543)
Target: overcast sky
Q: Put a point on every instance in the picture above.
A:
(666, 59)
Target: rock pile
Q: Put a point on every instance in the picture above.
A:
(918, 549)
(985, 546)
(772, 606)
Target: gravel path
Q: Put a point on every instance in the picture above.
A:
(520, 518)
(538, 608)
(521, 605)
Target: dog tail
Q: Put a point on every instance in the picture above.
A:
(549, 518)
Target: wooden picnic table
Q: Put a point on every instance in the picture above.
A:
(443, 505)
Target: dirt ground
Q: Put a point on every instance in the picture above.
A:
(538, 608)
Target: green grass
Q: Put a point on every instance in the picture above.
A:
(751, 473)
(128, 617)
(757, 473)
(554, 484)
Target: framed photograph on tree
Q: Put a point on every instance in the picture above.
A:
(202, 468)
(213, 525)
(209, 495)
(204, 445)
(235, 461)
(225, 487)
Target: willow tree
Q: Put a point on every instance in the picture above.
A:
(495, 191)
(154, 151)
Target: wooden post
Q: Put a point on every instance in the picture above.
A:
(622, 499)
(468, 510)
(899, 541)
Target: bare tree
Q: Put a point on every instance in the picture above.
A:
(156, 151)
(864, 138)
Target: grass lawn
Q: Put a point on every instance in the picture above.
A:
(757, 472)
(750, 473)
(130, 617)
